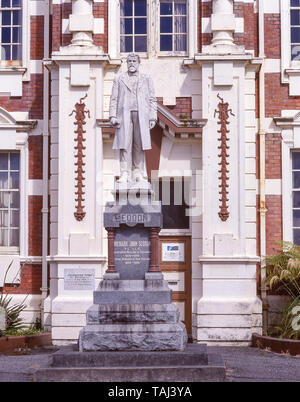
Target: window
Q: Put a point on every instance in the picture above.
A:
(133, 31)
(168, 34)
(11, 31)
(295, 29)
(173, 25)
(296, 196)
(173, 194)
(9, 199)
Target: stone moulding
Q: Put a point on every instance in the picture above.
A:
(80, 113)
(223, 112)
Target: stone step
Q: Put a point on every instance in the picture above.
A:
(193, 355)
(139, 291)
(191, 365)
(133, 336)
(132, 374)
(132, 313)
(132, 297)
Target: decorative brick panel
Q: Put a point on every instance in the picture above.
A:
(272, 36)
(35, 147)
(35, 204)
(273, 222)
(31, 101)
(273, 156)
(277, 96)
(30, 281)
(183, 107)
(37, 37)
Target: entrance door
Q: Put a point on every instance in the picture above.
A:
(175, 263)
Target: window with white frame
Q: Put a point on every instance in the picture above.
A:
(133, 26)
(295, 29)
(11, 31)
(170, 32)
(9, 200)
(173, 25)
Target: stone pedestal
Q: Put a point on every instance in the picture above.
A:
(132, 307)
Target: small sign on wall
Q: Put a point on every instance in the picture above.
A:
(172, 252)
(79, 279)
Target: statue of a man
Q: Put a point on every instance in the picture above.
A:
(133, 111)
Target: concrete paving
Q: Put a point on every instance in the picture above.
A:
(243, 364)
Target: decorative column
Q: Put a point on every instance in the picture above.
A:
(154, 247)
(111, 260)
(81, 22)
(222, 22)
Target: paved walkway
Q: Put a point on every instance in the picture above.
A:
(244, 364)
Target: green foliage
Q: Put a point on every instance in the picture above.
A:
(13, 311)
(283, 273)
(21, 332)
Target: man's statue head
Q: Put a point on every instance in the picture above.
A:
(133, 62)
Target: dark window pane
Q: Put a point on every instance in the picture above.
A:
(3, 161)
(5, 3)
(296, 160)
(14, 180)
(15, 199)
(4, 219)
(5, 52)
(295, 35)
(295, 3)
(180, 43)
(16, 3)
(165, 8)
(126, 26)
(180, 24)
(16, 52)
(140, 8)
(296, 199)
(140, 44)
(295, 51)
(14, 161)
(14, 237)
(140, 26)
(126, 44)
(6, 18)
(297, 236)
(3, 238)
(17, 35)
(4, 199)
(14, 219)
(126, 8)
(295, 17)
(296, 179)
(6, 35)
(296, 218)
(174, 216)
(165, 42)
(17, 18)
(3, 180)
(180, 8)
(166, 25)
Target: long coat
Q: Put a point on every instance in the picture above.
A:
(120, 108)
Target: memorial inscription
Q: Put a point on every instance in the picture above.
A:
(132, 252)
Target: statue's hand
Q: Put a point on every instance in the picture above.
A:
(114, 122)
(152, 124)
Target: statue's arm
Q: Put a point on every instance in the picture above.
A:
(114, 102)
(153, 102)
